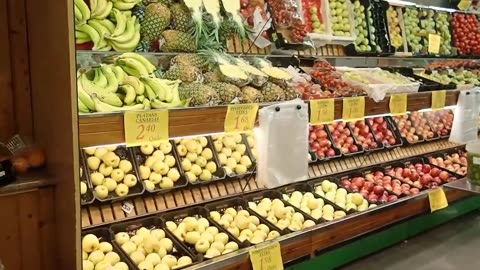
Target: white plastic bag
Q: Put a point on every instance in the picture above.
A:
(281, 144)
(465, 121)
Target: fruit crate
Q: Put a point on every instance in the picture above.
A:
(239, 204)
(445, 30)
(257, 197)
(373, 172)
(401, 121)
(88, 197)
(105, 235)
(333, 133)
(247, 153)
(396, 29)
(151, 223)
(427, 26)
(411, 18)
(371, 198)
(441, 117)
(425, 164)
(219, 174)
(424, 123)
(362, 124)
(378, 11)
(310, 187)
(125, 154)
(140, 160)
(363, 22)
(454, 166)
(196, 212)
(341, 18)
(390, 130)
(318, 138)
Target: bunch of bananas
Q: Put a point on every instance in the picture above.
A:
(128, 84)
(108, 25)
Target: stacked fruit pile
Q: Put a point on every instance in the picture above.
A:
(427, 25)
(442, 25)
(412, 30)
(421, 175)
(466, 35)
(454, 162)
(98, 254)
(342, 136)
(340, 18)
(320, 143)
(369, 190)
(441, 121)
(458, 76)
(407, 130)
(364, 136)
(363, 28)
(325, 74)
(314, 19)
(422, 126)
(390, 184)
(394, 27)
(317, 207)
(341, 197)
(232, 154)
(383, 131)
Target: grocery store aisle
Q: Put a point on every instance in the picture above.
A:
(454, 245)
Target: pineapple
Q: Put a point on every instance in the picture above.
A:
(185, 73)
(258, 78)
(139, 11)
(291, 93)
(191, 59)
(229, 73)
(176, 41)
(250, 95)
(211, 77)
(143, 46)
(199, 94)
(276, 75)
(228, 93)
(181, 18)
(272, 92)
(157, 19)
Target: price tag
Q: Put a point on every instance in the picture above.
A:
(127, 207)
(353, 108)
(145, 126)
(433, 43)
(464, 4)
(398, 104)
(240, 117)
(438, 99)
(438, 199)
(267, 258)
(322, 111)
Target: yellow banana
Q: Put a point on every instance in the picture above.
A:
(133, 66)
(135, 83)
(100, 80)
(98, 7)
(81, 107)
(156, 85)
(129, 92)
(82, 6)
(150, 93)
(146, 104)
(140, 99)
(124, 5)
(110, 98)
(93, 6)
(105, 48)
(119, 74)
(157, 104)
(112, 85)
(81, 35)
(127, 47)
(121, 22)
(84, 97)
(128, 34)
(94, 35)
(104, 14)
(148, 65)
(108, 24)
(103, 107)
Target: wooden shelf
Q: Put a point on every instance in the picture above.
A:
(100, 129)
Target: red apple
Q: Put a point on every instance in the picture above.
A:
(378, 190)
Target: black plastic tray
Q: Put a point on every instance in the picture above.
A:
(218, 175)
(140, 158)
(360, 148)
(404, 140)
(391, 128)
(380, 145)
(380, 22)
(124, 153)
(88, 197)
(105, 235)
(150, 223)
(198, 212)
(249, 148)
(337, 151)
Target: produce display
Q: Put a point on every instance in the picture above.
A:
(316, 207)
(320, 143)
(407, 130)
(383, 131)
(325, 74)
(412, 30)
(158, 167)
(343, 139)
(340, 17)
(466, 35)
(458, 76)
(427, 25)
(232, 154)
(421, 175)
(288, 20)
(377, 11)
(442, 26)
(441, 121)
(368, 189)
(152, 248)
(341, 197)
(314, 19)
(364, 136)
(394, 27)
(100, 254)
(422, 126)
(390, 184)
(365, 41)
(250, 137)
(198, 161)
(111, 172)
(454, 162)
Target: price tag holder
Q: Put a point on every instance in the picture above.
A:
(145, 127)
(240, 117)
(438, 99)
(438, 199)
(398, 104)
(267, 257)
(353, 108)
(433, 43)
(322, 111)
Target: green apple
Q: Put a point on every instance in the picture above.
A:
(121, 190)
(130, 180)
(101, 191)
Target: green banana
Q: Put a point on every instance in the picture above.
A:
(93, 6)
(103, 107)
(81, 35)
(78, 15)
(102, 30)
(127, 13)
(136, 83)
(100, 80)
(81, 107)
(127, 47)
(121, 96)
(85, 98)
(150, 93)
(156, 85)
(94, 35)
(110, 98)
(121, 22)
(133, 66)
(124, 5)
(148, 65)
(128, 34)
(157, 104)
(104, 12)
(119, 74)
(139, 99)
(81, 40)
(82, 6)
(146, 104)
(129, 92)
(108, 24)
(112, 85)
(105, 48)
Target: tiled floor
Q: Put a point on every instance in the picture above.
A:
(452, 246)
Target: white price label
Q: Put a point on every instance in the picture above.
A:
(127, 207)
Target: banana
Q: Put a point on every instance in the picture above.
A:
(103, 107)
(81, 40)
(108, 24)
(84, 97)
(93, 6)
(128, 34)
(78, 15)
(168, 96)
(127, 13)
(121, 96)
(100, 80)
(121, 22)
(104, 14)
(110, 98)
(157, 104)
(156, 85)
(81, 107)
(112, 85)
(82, 6)
(146, 104)
(105, 48)
(133, 67)
(81, 35)
(119, 74)
(129, 92)
(148, 65)
(101, 30)
(89, 87)
(150, 93)
(131, 1)
(140, 99)
(135, 83)
(127, 47)
(100, 6)
(94, 35)
(124, 5)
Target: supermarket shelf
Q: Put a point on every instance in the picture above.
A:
(464, 185)
(100, 129)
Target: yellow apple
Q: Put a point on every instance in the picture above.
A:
(167, 244)
(173, 174)
(125, 166)
(153, 258)
(90, 243)
(105, 170)
(120, 266)
(112, 257)
(183, 261)
(232, 246)
(166, 183)
(121, 190)
(170, 161)
(100, 152)
(149, 185)
(169, 260)
(97, 178)
(96, 256)
(182, 151)
(87, 265)
(166, 147)
(147, 149)
(159, 155)
(117, 175)
(101, 192)
(145, 265)
(221, 237)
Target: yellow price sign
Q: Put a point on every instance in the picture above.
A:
(438, 199)
(145, 126)
(267, 257)
(433, 43)
(438, 99)
(398, 104)
(464, 4)
(322, 111)
(240, 117)
(353, 108)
